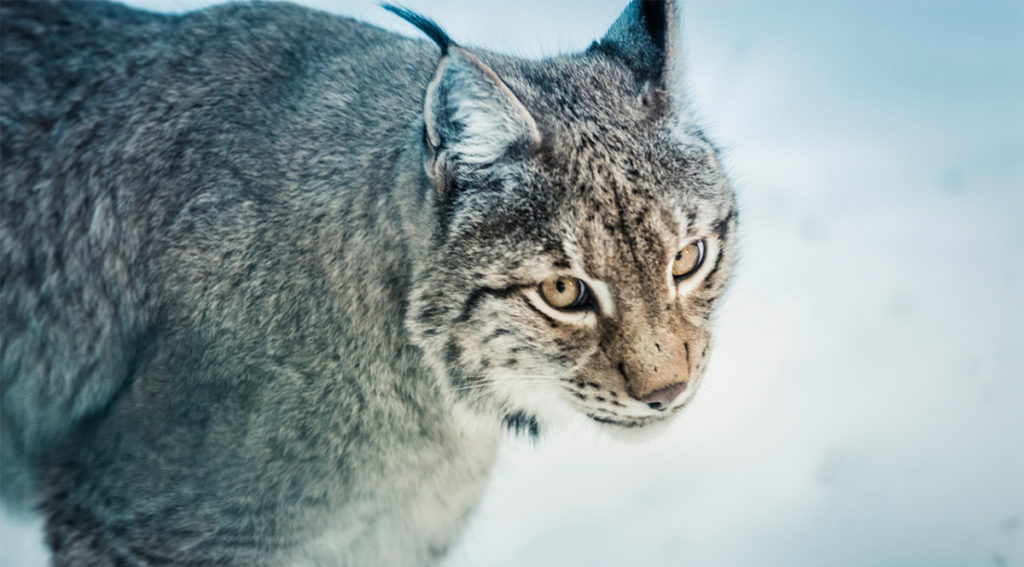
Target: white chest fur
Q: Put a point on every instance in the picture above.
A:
(409, 520)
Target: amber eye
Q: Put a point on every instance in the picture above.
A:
(564, 292)
(688, 260)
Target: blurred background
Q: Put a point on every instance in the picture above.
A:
(864, 405)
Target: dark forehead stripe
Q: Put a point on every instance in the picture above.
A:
(624, 231)
(629, 207)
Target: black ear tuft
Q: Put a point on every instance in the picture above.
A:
(655, 21)
(642, 38)
(425, 25)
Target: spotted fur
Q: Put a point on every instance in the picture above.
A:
(269, 277)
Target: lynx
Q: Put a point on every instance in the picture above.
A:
(274, 283)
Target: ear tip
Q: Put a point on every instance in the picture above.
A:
(655, 16)
(643, 37)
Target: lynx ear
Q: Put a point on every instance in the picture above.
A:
(471, 113)
(645, 38)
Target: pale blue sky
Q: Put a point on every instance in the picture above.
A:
(864, 405)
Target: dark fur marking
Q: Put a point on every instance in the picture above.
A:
(559, 358)
(702, 304)
(721, 227)
(617, 199)
(522, 423)
(452, 354)
(714, 270)
(550, 321)
(600, 419)
(477, 295)
(497, 333)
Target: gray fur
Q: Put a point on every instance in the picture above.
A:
(268, 276)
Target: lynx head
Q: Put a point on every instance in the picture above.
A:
(579, 230)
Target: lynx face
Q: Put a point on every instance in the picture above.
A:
(583, 235)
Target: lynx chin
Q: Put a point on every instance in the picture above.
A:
(275, 283)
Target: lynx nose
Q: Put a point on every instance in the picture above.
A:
(662, 397)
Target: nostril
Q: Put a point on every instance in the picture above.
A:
(662, 397)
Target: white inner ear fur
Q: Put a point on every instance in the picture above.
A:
(491, 116)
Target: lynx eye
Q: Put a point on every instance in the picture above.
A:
(688, 260)
(564, 292)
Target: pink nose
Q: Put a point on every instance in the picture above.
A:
(662, 397)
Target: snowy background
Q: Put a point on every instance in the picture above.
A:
(864, 404)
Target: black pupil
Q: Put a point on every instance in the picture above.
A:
(560, 286)
(679, 255)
